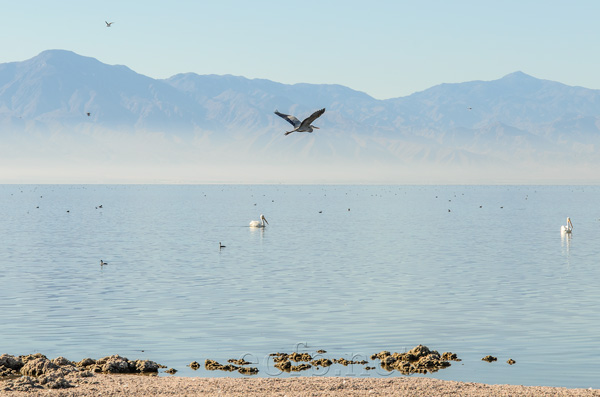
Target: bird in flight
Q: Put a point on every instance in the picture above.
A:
(108, 24)
(303, 126)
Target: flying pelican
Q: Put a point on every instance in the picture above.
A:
(303, 126)
(108, 24)
(259, 223)
(568, 227)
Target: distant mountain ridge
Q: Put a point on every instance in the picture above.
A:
(517, 118)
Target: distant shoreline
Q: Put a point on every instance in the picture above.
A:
(135, 385)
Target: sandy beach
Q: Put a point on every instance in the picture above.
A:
(37, 375)
(136, 385)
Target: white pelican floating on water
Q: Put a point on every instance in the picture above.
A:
(260, 223)
(568, 227)
(102, 263)
(303, 126)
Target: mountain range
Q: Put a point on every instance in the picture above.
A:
(214, 128)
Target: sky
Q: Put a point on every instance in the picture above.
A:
(384, 48)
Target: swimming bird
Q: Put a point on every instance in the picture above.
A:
(108, 24)
(259, 223)
(221, 245)
(568, 227)
(303, 126)
(102, 263)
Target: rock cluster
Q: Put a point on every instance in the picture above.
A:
(322, 362)
(420, 360)
(283, 361)
(286, 366)
(36, 371)
(213, 365)
(345, 362)
(116, 364)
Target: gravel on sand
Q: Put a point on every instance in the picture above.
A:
(136, 385)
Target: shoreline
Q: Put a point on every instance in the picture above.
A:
(36, 375)
(136, 385)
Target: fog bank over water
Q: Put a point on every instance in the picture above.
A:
(142, 157)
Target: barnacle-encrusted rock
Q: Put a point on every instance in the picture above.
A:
(147, 366)
(284, 366)
(61, 362)
(212, 365)
(116, 364)
(248, 370)
(241, 361)
(322, 362)
(279, 357)
(10, 365)
(54, 380)
(287, 366)
(381, 355)
(345, 362)
(300, 367)
(448, 356)
(38, 366)
(300, 357)
(171, 371)
(40, 372)
(86, 362)
(419, 359)
(489, 358)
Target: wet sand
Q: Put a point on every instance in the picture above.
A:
(136, 385)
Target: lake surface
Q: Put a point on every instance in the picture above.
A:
(350, 269)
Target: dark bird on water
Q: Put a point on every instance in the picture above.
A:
(303, 126)
(221, 245)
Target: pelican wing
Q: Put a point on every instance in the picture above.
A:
(307, 121)
(290, 119)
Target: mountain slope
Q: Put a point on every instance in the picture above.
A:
(190, 119)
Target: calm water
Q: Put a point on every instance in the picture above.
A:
(350, 269)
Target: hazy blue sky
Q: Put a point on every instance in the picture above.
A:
(384, 48)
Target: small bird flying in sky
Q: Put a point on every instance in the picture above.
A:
(303, 126)
(108, 24)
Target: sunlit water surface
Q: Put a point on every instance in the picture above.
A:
(354, 270)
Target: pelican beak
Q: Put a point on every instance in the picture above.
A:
(265, 219)
(316, 127)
